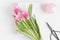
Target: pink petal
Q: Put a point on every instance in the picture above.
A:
(49, 7)
(18, 18)
(26, 15)
(17, 10)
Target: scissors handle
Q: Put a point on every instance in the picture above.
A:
(54, 34)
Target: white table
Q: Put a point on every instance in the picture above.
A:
(8, 28)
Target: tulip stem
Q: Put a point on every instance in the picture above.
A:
(29, 30)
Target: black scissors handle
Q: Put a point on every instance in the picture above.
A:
(53, 32)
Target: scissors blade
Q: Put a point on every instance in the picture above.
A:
(49, 26)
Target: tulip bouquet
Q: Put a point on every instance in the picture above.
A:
(26, 23)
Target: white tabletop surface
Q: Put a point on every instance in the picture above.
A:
(8, 28)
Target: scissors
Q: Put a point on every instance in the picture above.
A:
(53, 32)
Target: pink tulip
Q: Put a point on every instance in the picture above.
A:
(20, 14)
(26, 15)
(17, 10)
(18, 18)
(49, 7)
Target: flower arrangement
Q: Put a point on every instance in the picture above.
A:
(26, 23)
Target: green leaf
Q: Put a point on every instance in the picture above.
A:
(20, 27)
(30, 9)
(37, 28)
(27, 34)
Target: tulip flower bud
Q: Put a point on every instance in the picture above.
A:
(18, 18)
(17, 10)
(26, 15)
